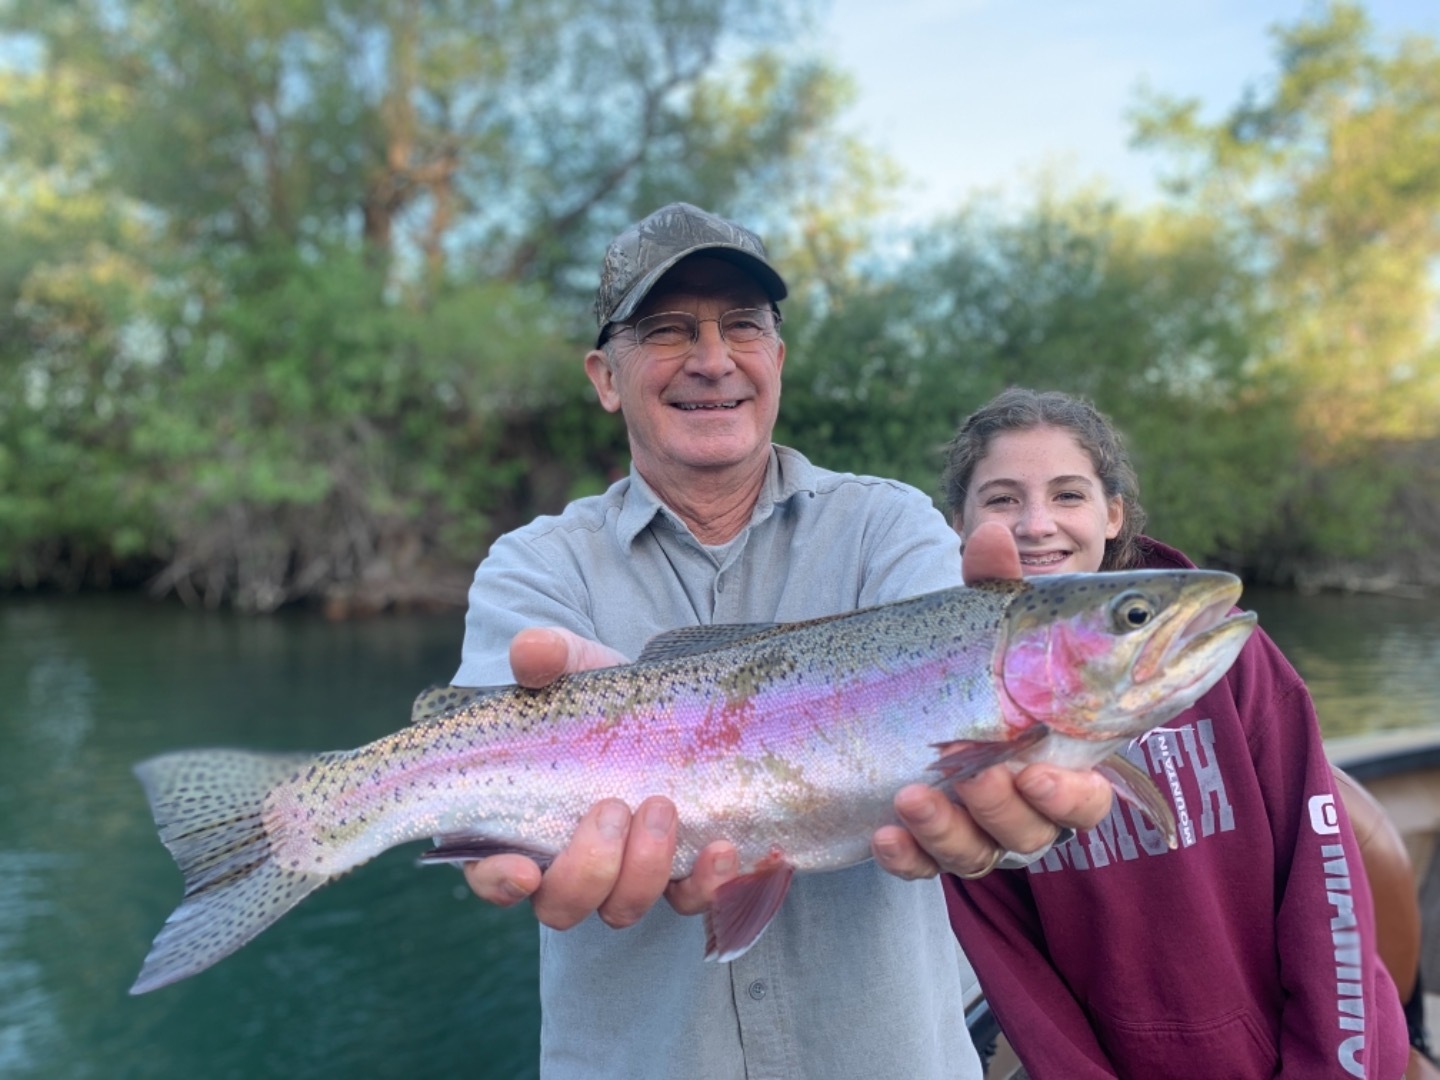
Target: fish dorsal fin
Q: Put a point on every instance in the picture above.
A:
(697, 640)
(439, 700)
(744, 906)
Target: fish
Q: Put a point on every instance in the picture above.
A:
(790, 740)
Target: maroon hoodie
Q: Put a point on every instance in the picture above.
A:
(1247, 952)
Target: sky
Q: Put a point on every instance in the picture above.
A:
(978, 95)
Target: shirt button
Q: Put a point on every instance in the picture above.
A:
(757, 989)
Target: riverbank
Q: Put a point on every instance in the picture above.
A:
(438, 586)
(444, 588)
(1413, 581)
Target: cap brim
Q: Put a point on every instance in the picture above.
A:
(761, 271)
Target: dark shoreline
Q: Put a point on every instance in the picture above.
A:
(445, 590)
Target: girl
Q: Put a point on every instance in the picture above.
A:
(1249, 950)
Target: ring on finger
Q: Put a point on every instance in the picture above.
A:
(975, 875)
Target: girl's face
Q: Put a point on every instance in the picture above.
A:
(1041, 485)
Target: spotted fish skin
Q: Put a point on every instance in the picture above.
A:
(787, 740)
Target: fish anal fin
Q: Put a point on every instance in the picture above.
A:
(464, 847)
(744, 906)
(963, 760)
(1136, 788)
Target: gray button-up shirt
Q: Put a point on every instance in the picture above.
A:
(859, 975)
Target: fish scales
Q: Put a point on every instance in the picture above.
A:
(790, 721)
(789, 741)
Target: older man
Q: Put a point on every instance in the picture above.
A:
(858, 975)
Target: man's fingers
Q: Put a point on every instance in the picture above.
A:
(1001, 811)
(538, 656)
(990, 554)
(1077, 798)
(715, 865)
(898, 853)
(645, 868)
(502, 880)
(997, 808)
(616, 864)
(584, 874)
(946, 832)
(541, 654)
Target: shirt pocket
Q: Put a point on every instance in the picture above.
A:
(1232, 1045)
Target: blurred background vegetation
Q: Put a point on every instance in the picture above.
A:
(293, 292)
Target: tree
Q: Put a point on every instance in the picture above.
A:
(328, 330)
(1334, 174)
(1331, 171)
(1150, 318)
(501, 136)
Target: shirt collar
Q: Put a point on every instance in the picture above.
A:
(787, 475)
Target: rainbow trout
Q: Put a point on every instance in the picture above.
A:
(789, 740)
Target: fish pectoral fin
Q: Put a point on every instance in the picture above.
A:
(467, 847)
(966, 759)
(744, 906)
(1136, 788)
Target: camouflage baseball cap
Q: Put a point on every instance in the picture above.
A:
(640, 256)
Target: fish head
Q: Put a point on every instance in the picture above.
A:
(1113, 655)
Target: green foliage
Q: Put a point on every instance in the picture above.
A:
(283, 277)
(1330, 176)
(340, 437)
(294, 433)
(71, 384)
(1150, 320)
(293, 292)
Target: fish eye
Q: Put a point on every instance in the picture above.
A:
(1131, 611)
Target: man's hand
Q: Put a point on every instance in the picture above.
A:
(616, 864)
(1002, 811)
(540, 655)
(990, 555)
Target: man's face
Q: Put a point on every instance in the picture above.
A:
(712, 408)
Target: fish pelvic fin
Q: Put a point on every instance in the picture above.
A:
(207, 805)
(1132, 785)
(744, 906)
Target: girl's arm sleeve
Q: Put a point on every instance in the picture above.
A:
(1341, 1013)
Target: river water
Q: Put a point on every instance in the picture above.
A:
(396, 970)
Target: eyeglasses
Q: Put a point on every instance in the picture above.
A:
(669, 334)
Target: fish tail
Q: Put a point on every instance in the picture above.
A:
(207, 805)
